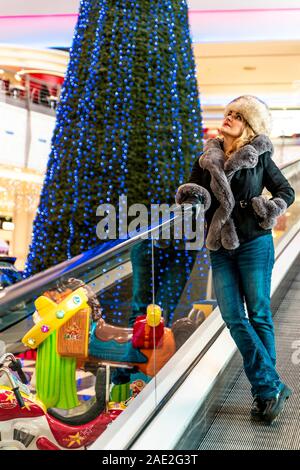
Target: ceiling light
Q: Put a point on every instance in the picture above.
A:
(8, 226)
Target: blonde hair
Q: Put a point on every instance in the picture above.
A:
(246, 137)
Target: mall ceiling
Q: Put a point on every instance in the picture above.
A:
(248, 48)
(50, 23)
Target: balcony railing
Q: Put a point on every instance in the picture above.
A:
(28, 92)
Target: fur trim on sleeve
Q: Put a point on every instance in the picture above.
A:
(268, 210)
(193, 193)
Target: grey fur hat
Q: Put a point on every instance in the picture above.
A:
(254, 111)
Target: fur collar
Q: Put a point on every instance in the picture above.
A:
(222, 231)
(213, 157)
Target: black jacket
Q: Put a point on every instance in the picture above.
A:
(246, 184)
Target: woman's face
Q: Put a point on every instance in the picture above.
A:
(233, 125)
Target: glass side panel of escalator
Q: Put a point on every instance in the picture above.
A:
(141, 300)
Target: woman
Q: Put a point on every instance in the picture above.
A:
(231, 174)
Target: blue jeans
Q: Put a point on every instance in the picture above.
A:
(244, 275)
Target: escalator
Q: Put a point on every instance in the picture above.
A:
(209, 408)
(181, 404)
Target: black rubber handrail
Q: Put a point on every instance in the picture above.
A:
(91, 258)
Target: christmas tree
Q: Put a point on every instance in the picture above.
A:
(129, 121)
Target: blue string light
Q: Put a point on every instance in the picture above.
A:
(85, 150)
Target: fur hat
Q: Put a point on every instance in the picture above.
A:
(254, 111)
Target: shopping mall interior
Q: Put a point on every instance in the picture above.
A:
(192, 392)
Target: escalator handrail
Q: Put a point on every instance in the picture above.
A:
(283, 166)
(102, 253)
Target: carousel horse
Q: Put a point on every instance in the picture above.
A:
(67, 311)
